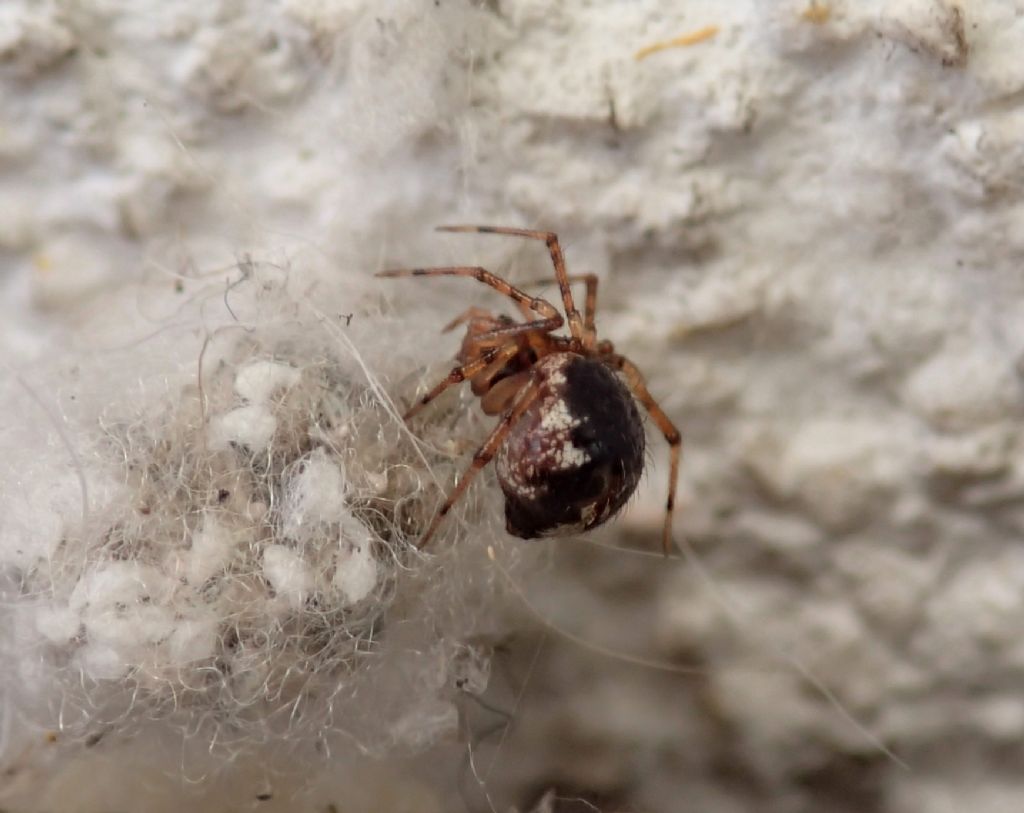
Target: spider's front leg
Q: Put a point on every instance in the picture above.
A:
(585, 338)
(550, 319)
(590, 303)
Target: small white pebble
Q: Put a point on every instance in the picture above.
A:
(251, 426)
(288, 573)
(258, 381)
(316, 494)
(356, 574)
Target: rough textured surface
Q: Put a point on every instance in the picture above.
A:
(806, 228)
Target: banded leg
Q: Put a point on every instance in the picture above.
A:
(635, 380)
(491, 356)
(471, 314)
(557, 259)
(526, 396)
(552, 319)
(590, 307)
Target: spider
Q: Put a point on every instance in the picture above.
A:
(570, 442)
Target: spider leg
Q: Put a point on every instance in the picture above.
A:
(469, 315)
(635, 380)
(526, 396)
(552, 319)
(590, 308)
(491, 357)
(550, 239)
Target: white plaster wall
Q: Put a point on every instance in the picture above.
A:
(807, 230)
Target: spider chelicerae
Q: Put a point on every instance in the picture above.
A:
(570, 442)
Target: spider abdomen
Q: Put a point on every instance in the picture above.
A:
(576, 455)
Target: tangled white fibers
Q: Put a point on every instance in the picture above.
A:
(213, 531)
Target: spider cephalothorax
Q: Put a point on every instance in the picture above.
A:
(570, 442)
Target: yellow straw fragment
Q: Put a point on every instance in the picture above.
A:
(817, 13)
(685, 40)
(41, 263)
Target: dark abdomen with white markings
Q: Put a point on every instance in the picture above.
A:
(576, 455)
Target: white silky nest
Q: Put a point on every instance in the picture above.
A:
(234, 548)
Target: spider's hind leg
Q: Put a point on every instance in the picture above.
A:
(473, 315)
(523, 400)
(635, 380)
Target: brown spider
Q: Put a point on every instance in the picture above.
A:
(570, 442)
